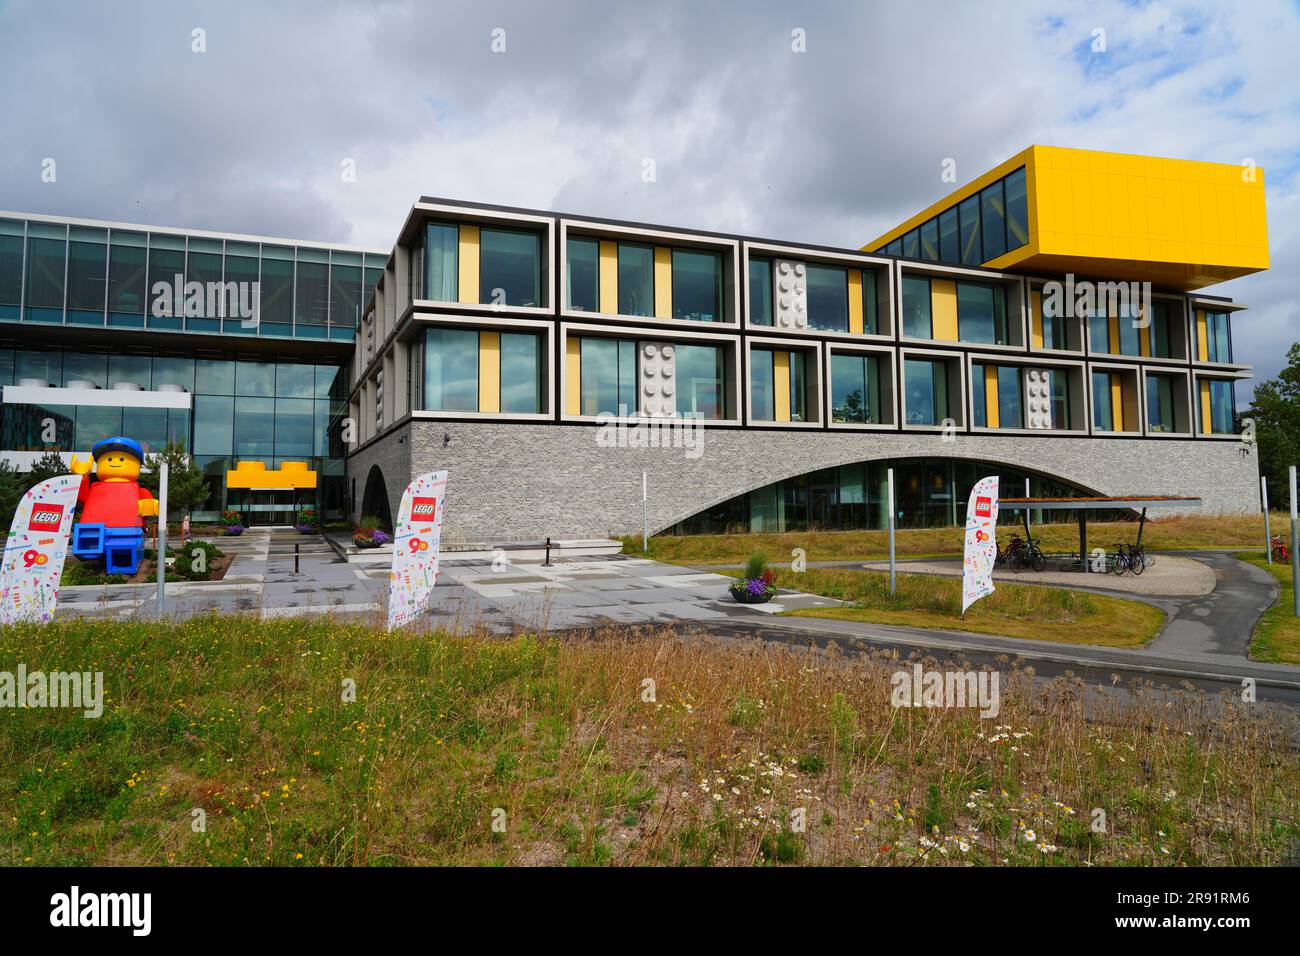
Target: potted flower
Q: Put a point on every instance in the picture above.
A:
(233, 522)
(307, 521)
(369, 534)
(756, 586)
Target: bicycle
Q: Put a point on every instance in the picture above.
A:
(1280, 552)
(1023, 556)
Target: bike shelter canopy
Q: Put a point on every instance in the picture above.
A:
(1084, 505)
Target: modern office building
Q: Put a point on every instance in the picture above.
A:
(89, 348)
(557, 365)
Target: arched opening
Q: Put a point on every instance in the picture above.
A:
(374, 500)
(928, 492)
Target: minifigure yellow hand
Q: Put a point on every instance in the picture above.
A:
(148, 507)
(80, 467)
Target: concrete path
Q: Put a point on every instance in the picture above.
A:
(1170, 575)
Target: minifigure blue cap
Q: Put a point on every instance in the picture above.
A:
(118, 443)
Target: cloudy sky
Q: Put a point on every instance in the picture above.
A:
(831, 145)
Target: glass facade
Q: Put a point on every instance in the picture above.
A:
(855, 388)
(762, 383)
(1160, 403)
(510, 267)
(1010, 407)
(103, 276)
(982, 313)
(701, 382)
(697, 285)
(917, 321)
(1217, 341)
(929, 492)
(760, 291)
(636, 279)
(926, 384)
(828, 298)
(273, 411)
(1222, 405)
(583, 280)
(980, 228)
(608, 376)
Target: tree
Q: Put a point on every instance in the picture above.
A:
(187, 488)
(49, 465)
(1276, 410)
(13, 485)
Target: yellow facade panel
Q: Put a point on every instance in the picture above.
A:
(489, 371)
(1036, 319)
(781, 385)
(573, 376)
(943, 310)
(855, 301)
(992, 413)
(468, 268)
(663, 282)
(1202, 345)
(1207, 414)
(1116, 403)
(608, 277)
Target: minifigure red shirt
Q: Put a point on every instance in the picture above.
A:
(115, 504)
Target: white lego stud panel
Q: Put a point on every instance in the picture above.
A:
(790, 294)
(658, 379)
(1038, 398)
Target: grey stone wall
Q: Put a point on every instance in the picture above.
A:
(392, 454)
(525, 482)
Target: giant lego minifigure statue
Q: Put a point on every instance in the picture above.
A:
(112, 506)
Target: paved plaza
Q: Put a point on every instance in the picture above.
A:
(471, 592)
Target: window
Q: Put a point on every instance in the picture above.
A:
(1160, 403)
(1010, 407)
(926, 384)
(608, 377)
(697, 285)
(521, 379)
(214, 418)
(798, 387)
(1099, 327)
(981, 313)
(312, 299)
(636, 279)
(1129, 333)
(1058, 385)
(451, 370)
(700, 392)
(855, 388)
(762, 398)
(1017, 210)
(441, 258)
(11, 267)
(895, 248)
(1102, 413)
(1216, 337)
(203, 265)
(949, 246)
(917, 321)
(760, 291)
(1054, 334)
(45, 269)
(1221, 408)
(584, 274)
(243, 267)
(930, 240)
(166, 263)
(828, 298)
(251, 378)
(912, 245)
(870, 303)
(1158, 331)
(509, 267)
(277, 291)
(345, 294)
(87, 274)
(969, 212)
(295, 420)
(993, 221)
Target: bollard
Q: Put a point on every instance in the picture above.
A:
(295, 558)
(547, 562)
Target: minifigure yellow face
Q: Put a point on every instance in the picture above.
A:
(117, 465)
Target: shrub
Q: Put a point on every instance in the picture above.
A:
(755, 565)
(231, 518)
(183, 566)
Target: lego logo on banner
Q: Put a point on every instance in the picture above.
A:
(983, 507)
(415, 548)
(45, 517)
(35, 550)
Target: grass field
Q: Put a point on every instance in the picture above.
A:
(1277, 635)
(1013, 610)
(1230, 531)
(227, 741)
